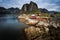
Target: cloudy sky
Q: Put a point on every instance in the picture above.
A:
(48, 4)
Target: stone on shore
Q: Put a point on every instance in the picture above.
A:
(35, 33)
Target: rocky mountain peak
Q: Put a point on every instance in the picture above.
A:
(29, 7)
(31, 2)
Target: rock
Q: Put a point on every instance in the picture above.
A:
(31, 22)
(36, 33)
(55, 22)
(32, 6)
(42, 23)
(29, 7)
(42, 33)
(25, 7)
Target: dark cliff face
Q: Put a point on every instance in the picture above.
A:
(29, 7)
(25, 7)
(33, 6)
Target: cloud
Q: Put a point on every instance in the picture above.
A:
(48, 4)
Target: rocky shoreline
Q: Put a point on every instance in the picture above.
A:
(40, 29)
(42, 33)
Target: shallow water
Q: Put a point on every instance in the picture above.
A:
(11, 28)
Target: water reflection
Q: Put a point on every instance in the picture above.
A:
(11, 29)
(9, 21)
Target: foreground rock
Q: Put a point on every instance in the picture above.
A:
(36, 33)
(42, 33)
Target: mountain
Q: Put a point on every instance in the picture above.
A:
(11, 10)
(32, 6)
(2, 8)
(29, 7)
(43, 10)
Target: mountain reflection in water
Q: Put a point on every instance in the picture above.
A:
(11, 29)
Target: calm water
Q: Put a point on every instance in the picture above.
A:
(11, 28)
